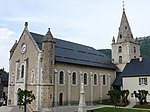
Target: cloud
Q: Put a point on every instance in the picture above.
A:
(6, 43)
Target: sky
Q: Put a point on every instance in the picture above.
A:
(88, 22)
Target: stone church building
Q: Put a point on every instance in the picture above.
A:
(54, 68)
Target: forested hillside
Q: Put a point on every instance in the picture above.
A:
(144, 45)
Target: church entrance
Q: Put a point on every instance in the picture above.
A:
(61, 99)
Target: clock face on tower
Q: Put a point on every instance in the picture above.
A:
(23, 48)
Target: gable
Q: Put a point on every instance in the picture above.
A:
(31, 48)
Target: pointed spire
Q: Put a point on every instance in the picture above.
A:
(48, 37)
(124, 33)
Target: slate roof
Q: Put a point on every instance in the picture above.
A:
(135, 68)
(118, 79)
(74, 53)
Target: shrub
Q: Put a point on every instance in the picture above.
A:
(119, 96)
(141, 95)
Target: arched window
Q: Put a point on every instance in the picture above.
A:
(95, 79)
(104, 79)
(61, 77)
(22, 71)
(120, 59)
(74, 78)
(85, 78)
(134, 49)
(120, 36)
(119, 49)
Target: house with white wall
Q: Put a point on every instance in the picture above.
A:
(136, 76)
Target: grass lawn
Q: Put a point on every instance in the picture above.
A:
(111, 109)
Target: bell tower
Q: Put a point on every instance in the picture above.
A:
(125, 47)
(47, 76)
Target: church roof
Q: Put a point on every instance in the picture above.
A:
(70, 52)
(118, 79)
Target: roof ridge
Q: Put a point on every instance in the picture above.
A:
(65, 41)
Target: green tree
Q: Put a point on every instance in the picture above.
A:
(114, 95)
(117, 96)
(124, 96)
(141, 95)
(25, 97)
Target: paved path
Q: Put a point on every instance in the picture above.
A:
(10, 109)
(60, 108)
(131, 104)
(75, 108)
(54, 109)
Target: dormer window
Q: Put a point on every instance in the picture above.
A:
(126, 28)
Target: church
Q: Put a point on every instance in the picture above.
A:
(54, 69)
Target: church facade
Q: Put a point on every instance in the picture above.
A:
(54, 69)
